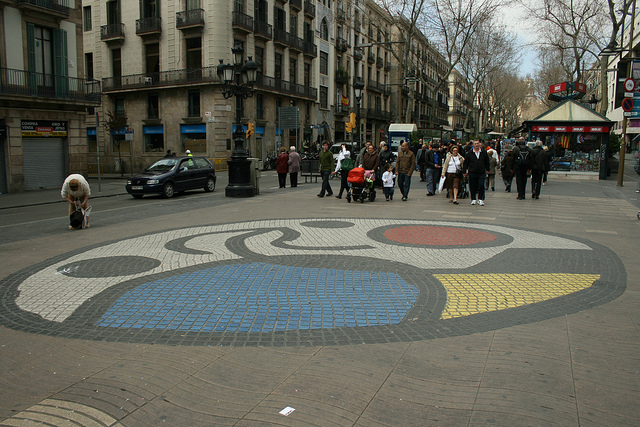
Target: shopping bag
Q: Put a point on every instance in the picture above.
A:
(441, 184)
(85, 219)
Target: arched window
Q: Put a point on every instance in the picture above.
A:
(324, 29)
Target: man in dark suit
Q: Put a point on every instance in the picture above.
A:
(476, 165)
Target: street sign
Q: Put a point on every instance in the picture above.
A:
(629, 85)
(627, 104)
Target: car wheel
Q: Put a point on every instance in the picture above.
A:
(168, 190)
(211, 185)
(137, 196)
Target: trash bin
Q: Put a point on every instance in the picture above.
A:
(255, 168)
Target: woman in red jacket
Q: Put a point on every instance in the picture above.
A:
(282, 166)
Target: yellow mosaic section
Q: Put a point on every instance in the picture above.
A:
(469, 294)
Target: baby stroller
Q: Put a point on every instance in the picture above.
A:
(360, 188)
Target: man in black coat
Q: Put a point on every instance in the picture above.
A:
(476, 165)
(539, 166)
(522, 159)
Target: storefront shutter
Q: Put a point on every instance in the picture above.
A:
(43, 162)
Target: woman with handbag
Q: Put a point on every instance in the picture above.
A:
(452, 170)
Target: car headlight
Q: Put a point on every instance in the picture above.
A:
(153, 181)
(128, 182)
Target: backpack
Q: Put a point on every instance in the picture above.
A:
(523, 158)
(347, 164)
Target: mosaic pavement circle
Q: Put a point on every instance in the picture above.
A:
(311, 282)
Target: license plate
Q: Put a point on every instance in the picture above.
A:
(136, 187)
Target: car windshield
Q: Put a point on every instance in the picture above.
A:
(162, 165)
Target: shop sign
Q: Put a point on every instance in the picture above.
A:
(585, 129)
(43, 128)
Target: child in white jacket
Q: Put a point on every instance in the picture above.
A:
(387, 183)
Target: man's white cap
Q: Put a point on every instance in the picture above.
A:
(188, 151)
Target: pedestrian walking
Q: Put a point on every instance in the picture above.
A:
(294, 166)
(325, 167)
(507, 168)
(539, 165)
(476, 166)
(405, 165)
(387, 183)
(282, 167)
(522, 159)
(452, 169)
(434, 168)
(493, 164)
(343, 166)
(421, 160)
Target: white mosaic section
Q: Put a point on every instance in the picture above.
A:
(55, 296)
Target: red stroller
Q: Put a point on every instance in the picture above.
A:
(360, 188)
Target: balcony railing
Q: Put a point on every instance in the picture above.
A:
(163, 78)
(310, 49)
(61, 6)
(296, 4)
(190, 18)
(26, 83)
(371, 58)
(342, 76)
(278, 85)
(262, 29)
(376, 114)
(379, 62)
(149, 25)
(296, 43)
(111, 31)
(309, 9)
(280, 36)
(341, 45)
(242, 20)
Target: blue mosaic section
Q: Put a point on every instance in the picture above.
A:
(261, 297)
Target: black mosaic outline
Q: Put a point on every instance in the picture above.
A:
(123, 266)
(422, 322)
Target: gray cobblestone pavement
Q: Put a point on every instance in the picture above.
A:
(384, 313)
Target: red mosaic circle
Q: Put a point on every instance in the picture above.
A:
(437, 236)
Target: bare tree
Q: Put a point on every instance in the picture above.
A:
(115, 126)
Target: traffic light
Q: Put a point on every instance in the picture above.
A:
(251, 128)
(351, 125)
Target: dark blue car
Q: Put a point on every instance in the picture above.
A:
(173, 174)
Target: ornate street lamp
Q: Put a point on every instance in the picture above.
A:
(358, 87)
(593, 102)
(238, 80)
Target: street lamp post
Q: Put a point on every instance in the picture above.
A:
(238, 80)
(358, 86)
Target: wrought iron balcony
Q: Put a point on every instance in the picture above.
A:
(341, 15)
(342, 76)
(162, 79)
(357, 54)
(280, 37)
(28, 84)
(189, 19)
(112, 32)
(378, 114)
(341, 45)
(295, 4)
(242, 21)
(296, 43)
(379, 62)
(271, 84)
(149, 26)
(59, 7)
(371, 58)
(310, 9)
(262, 30)
(310, 49)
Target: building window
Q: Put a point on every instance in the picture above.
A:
(153, 139)
(324, 29)
(194, 103)
(259, 106)
(293, 25)
(278, 66)
(116, 65)
(324, 97)
(259, 59)
(88, 65)
(293, 70)
(194, 138)
(324, 63)
(152, 59)
(152, 106)
(86, 14)
(307, 74)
